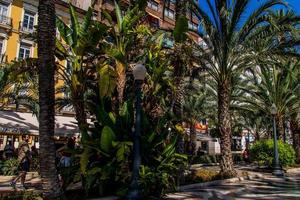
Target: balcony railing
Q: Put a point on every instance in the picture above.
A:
(4, 20)
(25, 29)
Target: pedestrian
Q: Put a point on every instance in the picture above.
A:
(24, 157)
(8, 150)
(246, 156)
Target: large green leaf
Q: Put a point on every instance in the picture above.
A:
(107, 137)
(181, 29)
(74, 25)
(64, 31)
(107, 80)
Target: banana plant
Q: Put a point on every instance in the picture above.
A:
(120, 42)
(77, 45)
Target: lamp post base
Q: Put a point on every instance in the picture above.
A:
(278, 172)
(134, 195)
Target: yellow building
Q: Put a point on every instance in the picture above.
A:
(18, 20)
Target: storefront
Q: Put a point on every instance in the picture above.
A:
(15, 124)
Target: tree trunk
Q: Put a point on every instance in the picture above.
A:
(257, 136)
(193, 138)
(280, 126)
(295, 129)
(121, 82)
(46, 63)
(80, 114)
(226, 163)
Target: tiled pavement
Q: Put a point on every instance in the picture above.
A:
(267, 188)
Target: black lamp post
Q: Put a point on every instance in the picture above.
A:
(277, 169)
(139, 73)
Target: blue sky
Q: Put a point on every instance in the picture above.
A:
(294, 4)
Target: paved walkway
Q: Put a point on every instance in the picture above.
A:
(32, 181)
(267, 188)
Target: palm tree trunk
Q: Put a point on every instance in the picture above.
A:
(46, 63)
(280, 126)
(295, 129)
(193, 138)
(226, 163)
(257, 136)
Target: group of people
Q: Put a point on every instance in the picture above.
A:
(25, 154)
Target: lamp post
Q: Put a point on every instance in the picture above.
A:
(277, 169)
(139, 73)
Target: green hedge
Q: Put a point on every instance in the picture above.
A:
(263, 153)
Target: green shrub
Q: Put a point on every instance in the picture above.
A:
(263, 153)
(34, 165)
(23, 195)
(10, 167)
(206, 159)
(162, 176)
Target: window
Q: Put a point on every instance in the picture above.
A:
(1, 46)
(24, 51)
(28, 22)
(193, 25)
(169, 13)
(153, 5)
(3, 14)
(153, 22)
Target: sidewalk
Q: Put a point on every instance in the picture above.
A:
(261, 187)
(32, 180)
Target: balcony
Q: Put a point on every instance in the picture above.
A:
(25, 29)
(5, 22)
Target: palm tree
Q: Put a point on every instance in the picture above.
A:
(278, 85)
(227, 28)
(46, 62)
(193, 111)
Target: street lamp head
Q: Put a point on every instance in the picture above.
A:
(139, 72)
(273, 109)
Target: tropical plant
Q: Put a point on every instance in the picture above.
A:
(46, 63)
(277, 84)
(77, 45)
(121, 42)
(263, 153)
(161, 176)
(10, 167)
(193, 110)
(230, 33)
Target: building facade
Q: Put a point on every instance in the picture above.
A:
(18, 21)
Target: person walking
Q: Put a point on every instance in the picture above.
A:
(24, 158)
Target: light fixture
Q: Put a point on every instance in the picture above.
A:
(273, 109)
(139, 72)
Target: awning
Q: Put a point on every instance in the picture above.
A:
(25, 123)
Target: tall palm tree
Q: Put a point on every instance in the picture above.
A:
(46, 62)
(227, 27)
(276, 85)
